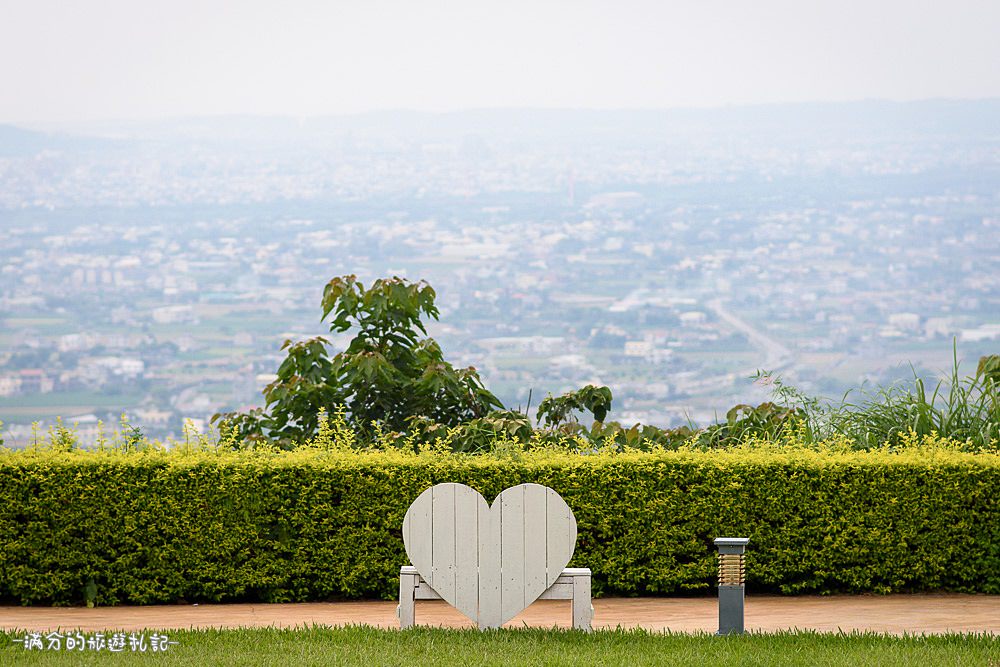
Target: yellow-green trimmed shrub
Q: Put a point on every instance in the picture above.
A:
(155, 527)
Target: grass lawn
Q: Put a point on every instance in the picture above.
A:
(426, 646)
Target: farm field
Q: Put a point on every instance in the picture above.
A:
(69, 404)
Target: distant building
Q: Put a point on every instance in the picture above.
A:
(10, 385)
(939, 326)
(905, 322)
(74, 342)
(638, 348)
(153, 417)
(243, 339)
(615, 200)
(173, 314)
(130, 367)
(985, 332)
(692, 318)
(35, 381)
(88, 429)
(535, 344)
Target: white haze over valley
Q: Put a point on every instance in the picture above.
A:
(659, 197)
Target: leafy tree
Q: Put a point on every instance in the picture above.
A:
(558, 415)
(389, 374)
(767, 420)
(556, 410)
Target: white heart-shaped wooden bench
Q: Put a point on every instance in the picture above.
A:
(490, 563)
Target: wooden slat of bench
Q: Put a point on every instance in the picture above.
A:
(425, 592)
(417, 529)
(489, 569)
(560, 537)
(567, 572)
(442, 574)
(511, 553)
(535, 574)
(558, 591)
(562, 589)
(466, 543)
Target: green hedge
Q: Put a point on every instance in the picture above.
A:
(162, 527)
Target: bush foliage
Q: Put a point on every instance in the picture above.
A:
(393, 379)
(390, 373)
(324, 521)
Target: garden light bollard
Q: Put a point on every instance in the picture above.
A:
(732, 574)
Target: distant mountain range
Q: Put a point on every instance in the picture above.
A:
(956, 119)
(19, 142)
(15, 141)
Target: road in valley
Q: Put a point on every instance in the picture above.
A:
(777, 356)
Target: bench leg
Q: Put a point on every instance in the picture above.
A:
(582, 611)
(407, 587)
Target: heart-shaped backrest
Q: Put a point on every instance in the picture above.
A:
(490, 563)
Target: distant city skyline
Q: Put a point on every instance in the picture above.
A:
(156, 270)
(64, 63)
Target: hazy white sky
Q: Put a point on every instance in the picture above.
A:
(68, 60)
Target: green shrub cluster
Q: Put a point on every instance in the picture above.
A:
(153, 527)
(394, 380)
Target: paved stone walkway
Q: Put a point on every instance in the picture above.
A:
(893, 614)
